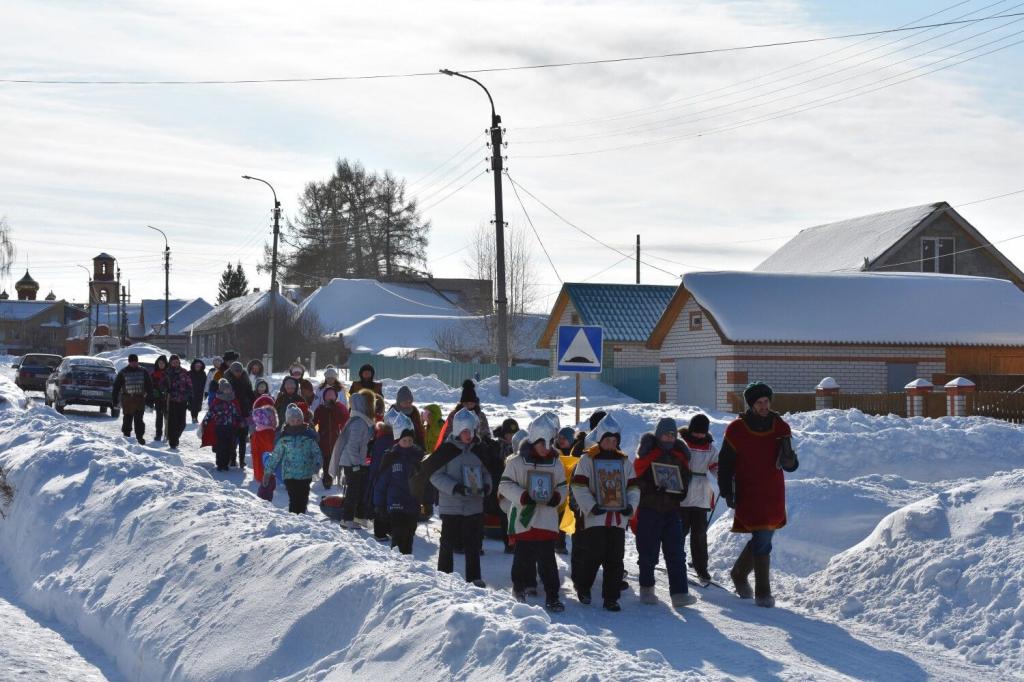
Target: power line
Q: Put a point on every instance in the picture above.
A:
(604, 270)
(525, 67)
(535, 233)
(453, 192)
(444, 163)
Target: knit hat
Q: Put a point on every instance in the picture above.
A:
(508, 426)
(293, 413)
(567, 433)
(699, 423)
(469, 392)
(596, 418)
(132, 357)
(263, 401)
(236, 366)
(404, 394)
(666, 425)
(756, 391)
(224, 389)
(330, 373)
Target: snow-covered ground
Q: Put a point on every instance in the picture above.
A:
(175, 571)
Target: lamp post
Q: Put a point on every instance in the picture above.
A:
(167, 286)
(273, 269)
(499, 225)
(88, 305)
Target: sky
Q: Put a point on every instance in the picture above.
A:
(714, 159)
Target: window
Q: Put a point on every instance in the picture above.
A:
(696, 321)
(103, 296)
(574, 318)
(938, 255)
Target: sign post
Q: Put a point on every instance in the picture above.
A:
(580, 350)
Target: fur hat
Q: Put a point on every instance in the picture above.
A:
(469, 392)
(755, 391)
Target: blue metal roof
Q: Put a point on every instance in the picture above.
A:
(628, 312)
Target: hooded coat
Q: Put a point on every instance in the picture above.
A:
(264, 423)
(177, 384)
(284, 399)
(350, 450)
(158, 393)
(433, 423)
(197, 373)
(392, 489)
(297, 452)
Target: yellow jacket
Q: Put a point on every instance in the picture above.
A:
(568, 523)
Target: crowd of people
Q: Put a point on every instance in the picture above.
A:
(542, 490)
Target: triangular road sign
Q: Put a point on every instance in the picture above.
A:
(579, 352)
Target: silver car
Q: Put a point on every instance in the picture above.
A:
(82, 380)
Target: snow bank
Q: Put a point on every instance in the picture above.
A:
(177, 576)
(945, 570)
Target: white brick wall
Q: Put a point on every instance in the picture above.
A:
(683, 343)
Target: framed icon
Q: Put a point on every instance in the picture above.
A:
(668, 476)
(611, 484)
(540, 485)
(473, 479)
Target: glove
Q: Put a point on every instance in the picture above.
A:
(628, 511)
(459, 489)
(730, 501)
(596, 510)
(525, 499)
(555, 500)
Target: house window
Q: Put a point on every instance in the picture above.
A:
(574, 318)
(938, 255)
(696, 321)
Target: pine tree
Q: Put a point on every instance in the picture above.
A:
(233, 283)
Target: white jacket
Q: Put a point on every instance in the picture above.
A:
(584, 487)
(514, 482)
(704, 480)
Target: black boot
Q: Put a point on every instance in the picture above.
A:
(741, 571)
(762, 582)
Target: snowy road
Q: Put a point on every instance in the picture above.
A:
(720, 637)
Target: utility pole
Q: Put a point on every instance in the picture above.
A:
(167, 286)
(638, 259)
(88, 306)
(272, 302)
(499, 227)
(118, 293)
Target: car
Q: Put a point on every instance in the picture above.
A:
(82, 380)
(33, 370)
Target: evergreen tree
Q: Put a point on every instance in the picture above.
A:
(233, 283)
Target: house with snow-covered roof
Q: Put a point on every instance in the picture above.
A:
(239, 323)
(626, 312)
(872, 332)
(928, 238)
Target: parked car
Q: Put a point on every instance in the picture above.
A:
(82, 380)
(34, 369)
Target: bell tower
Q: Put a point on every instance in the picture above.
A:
(104, 286)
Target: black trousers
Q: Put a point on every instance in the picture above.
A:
(298, 494)
(695, 522)
(176, 413)
(403, 530)
(241, 438)
(224, 446)
(578, 541)
(136, 420)
(355, 490)
(470, 529)
(530, 557)
(381, 525)
(602, 547)
(194, 407)
(160, 409)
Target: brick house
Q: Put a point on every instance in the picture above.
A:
(627, 312)
(928, 238)
(872, 332)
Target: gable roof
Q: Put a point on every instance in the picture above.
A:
(627, 312)
(23, 310)
(184, 316)
(844, 245)
(237, 309)
(854, 308)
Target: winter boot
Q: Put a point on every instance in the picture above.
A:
(584, 598)
(520, 596)
(683, 599)
(741, 571)
(479, 583)
(762, 582)
(554, 605)
(612, 605)
(647, 595)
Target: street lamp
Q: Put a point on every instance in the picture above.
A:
(273, 270)
(499, 224)
(88, 305)
(167, 286)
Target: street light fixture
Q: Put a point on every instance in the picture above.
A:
(273, 270)
(499, 225)
(167, 286)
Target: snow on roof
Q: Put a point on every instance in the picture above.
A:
(231, 312)
(23, 310)
(187, 314)
(379, 332)
(153, 311)
(342, 303)
(845, 245)
(875, 308)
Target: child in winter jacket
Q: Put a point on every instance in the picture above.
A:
(330, 381)
(261, 387)
(329, 418)
(226, 416)
(433, 421)
(350, 455)
(158, 398)
(533, 521)
(392, 492)
(563, 447)
(298, 453)
(264, 424)
(198, 376)
(701, 497)
(177, 387)
(659, 527)
(288, 395)
(603, 476)
(383, 440)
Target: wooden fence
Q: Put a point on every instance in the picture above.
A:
(873, 403)
(998, 405)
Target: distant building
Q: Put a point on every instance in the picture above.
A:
(239, 324)
(30, 326)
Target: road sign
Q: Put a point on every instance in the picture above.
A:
(579, 348)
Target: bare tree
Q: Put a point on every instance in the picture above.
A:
(7, 251)
(520, 287)
(6, 493)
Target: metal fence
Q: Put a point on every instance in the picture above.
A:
(451, 373)
(640, 383)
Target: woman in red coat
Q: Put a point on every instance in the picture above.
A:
(757, 449)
